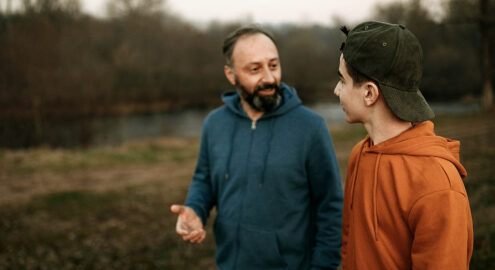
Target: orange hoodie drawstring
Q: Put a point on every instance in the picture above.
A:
(375, 183)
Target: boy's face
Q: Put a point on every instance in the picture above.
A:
(350, 95)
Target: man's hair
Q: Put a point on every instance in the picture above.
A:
(358, 78)
(229, 42)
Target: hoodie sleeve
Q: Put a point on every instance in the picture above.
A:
(200, 196)
(442, 227)
(326, 200)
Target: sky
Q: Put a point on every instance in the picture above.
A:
(262, 11)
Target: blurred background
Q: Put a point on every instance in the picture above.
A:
(102, 101)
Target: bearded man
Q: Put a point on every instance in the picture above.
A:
(268, 165)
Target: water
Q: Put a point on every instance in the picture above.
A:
(116, 130)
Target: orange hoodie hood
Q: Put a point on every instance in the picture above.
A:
(420, 141)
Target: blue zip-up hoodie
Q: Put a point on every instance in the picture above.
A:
(276, 186)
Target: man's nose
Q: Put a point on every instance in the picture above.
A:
(268, 77)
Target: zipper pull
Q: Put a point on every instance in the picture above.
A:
(253, 125)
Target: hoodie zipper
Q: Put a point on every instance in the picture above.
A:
(243, 196)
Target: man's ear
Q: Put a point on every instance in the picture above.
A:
(371, 93)
(229, 73)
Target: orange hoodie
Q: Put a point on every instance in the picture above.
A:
(405, 206)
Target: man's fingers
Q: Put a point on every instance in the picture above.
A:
(190, 236)
(189, 227)
(181, 231)
(203, 236)
(195, 236)
(198, 238)
(178, 209)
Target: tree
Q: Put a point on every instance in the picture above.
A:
(475, 14)
(484, 25)
(117, 8)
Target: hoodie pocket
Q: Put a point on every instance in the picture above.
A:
(239, 247)
(225, 238)
(259, 250)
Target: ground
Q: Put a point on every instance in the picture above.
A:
(108, 208)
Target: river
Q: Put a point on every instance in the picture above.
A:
(115, 130)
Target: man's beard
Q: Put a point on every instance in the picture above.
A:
(259, 102)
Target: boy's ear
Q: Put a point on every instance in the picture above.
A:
(371, 93)
(229, 73)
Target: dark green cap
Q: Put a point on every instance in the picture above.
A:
(390, 55)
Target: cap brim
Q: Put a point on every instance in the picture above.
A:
(409, 106)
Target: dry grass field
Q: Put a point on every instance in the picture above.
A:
(108, 208)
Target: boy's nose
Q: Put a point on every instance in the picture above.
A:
(336, 90)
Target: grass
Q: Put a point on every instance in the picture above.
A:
(108, 208)
(61, 160)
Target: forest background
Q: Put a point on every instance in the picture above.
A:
(56, 62)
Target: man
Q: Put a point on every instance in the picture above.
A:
(405, 206)
(268, 165)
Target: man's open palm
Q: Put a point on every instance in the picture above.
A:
(189, 225)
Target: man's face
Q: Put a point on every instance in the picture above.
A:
(256, 71)
(350, 95)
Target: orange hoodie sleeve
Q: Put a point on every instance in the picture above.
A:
(442, 227)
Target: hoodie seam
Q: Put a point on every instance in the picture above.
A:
(407, 150)
(430, 194)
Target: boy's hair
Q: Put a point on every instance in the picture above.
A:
(357, 77)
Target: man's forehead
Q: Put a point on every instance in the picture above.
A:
(259, 61)
(256, 43)
(250, 38)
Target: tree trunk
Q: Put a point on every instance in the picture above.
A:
(485, 58)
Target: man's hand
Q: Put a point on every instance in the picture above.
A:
(189, 225)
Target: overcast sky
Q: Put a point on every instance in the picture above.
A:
(262, 11)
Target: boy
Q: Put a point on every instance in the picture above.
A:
(405, 206)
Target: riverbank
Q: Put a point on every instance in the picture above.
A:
(108, 207)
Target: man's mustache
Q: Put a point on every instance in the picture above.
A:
(266, 86)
